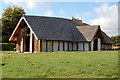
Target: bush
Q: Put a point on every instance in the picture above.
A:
(7, 46)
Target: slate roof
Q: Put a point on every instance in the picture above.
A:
(52, 28)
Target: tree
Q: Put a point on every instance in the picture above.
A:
(116, 39)
(10, 18)
(0, 30)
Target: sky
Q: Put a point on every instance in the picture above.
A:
(103, 13)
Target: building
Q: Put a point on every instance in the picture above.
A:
(47, 34)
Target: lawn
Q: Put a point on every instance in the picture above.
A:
(64, 64)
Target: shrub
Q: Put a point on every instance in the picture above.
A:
(7, 46)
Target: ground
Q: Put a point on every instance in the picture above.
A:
(63, 64)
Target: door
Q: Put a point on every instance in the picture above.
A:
(95, 48)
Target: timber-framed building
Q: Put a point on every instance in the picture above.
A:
(49, 34)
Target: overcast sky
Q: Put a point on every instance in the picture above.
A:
(104, 14)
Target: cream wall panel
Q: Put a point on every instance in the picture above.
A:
(80, 46)
(61, 46)
(70, 46)
(49, 46)
(31, 38)
(92, 45)
(55, 45)
(74, 46)
(65, 46)
(43, 45)
(86, 46)
(99, 44)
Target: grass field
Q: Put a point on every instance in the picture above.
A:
(69, 64)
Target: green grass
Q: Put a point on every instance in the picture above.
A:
(8, 52)
(69, 64)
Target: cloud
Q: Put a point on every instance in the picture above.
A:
(61, 11)
(107, 18)
(28, 4)
(31, 4)
(41, 6)
(48, 13)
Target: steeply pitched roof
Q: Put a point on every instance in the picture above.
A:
(107, 38)
(51, 28)
(88, 31)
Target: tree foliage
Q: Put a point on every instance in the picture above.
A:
(0, 30)
(116, 39)
(10, 18)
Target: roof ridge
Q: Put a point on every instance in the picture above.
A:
(89, 26)
(47, 17)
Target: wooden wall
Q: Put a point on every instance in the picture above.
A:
(51, 46)
(106, 46)
(43, 45)
(18, 44)
(98, 44)
(20, 47)
(36, 45)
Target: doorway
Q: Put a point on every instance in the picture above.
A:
(26, 40)
(95, 46)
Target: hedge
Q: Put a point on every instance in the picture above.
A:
(7, 46)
